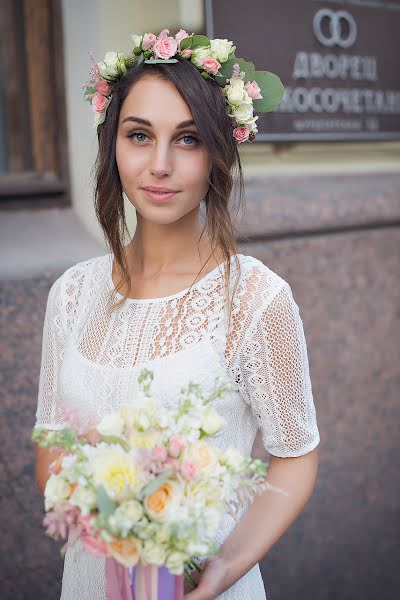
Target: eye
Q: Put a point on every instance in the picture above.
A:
(192, 137)
(131, 135)
(139, 140)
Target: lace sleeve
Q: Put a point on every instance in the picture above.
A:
(48, 413)
(274, 376)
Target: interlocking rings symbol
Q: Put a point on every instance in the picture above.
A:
(336, 20)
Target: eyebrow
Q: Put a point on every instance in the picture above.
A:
(181, 125)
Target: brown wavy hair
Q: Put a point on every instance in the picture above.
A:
(226, 189)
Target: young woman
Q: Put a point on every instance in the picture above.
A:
(167, 143)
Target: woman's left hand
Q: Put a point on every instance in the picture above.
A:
(210, 581)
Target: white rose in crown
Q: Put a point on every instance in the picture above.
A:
(56, 490)
(112, 65)
(137, 40)
(244, 114)
(112, 424)
(212, 422)
(236, 93)
(199, 54)
(220, 49)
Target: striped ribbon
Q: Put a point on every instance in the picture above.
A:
(141, 582)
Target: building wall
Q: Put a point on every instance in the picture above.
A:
(108, 26)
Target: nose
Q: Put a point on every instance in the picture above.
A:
(161, 160)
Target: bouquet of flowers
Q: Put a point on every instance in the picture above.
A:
(150, 493)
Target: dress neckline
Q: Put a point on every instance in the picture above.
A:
(161, 298)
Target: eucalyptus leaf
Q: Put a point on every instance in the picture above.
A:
(104, 502)
(140, 59)
(113, 439)
(200, 40)
(272, 89)
(186, 43)
(90, 90)
(226, 69)
(152, 61)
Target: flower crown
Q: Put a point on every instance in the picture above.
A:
(244, 88)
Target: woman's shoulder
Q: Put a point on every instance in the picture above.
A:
(258, 280)
(74, 276)
(66, 292)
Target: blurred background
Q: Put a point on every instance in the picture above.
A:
(322, 210)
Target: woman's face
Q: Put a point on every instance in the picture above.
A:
(160, 152)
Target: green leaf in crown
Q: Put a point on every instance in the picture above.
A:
(272, 90)
(226, 69)
(194, 41)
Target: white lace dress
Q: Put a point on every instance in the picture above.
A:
(91, 361)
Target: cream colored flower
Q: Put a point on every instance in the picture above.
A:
(115, 470)
(220, 49)
(84, 498)
(57, 490)
(212, 422)
(202, 454)
(236, 93)
(111, 424)
(153, 553)
(175, 562)
(199, 54)
(137, 40)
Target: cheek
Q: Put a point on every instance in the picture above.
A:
(128, 162)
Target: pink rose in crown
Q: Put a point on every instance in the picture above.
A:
(241, 133)
(163, 34)
(148, 41)
(103, 87)
(181, 35)
(99, 102)
(165, 47)
(253, 90)
(187, 52)
(211, 65)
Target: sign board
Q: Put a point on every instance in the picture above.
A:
(338, 60)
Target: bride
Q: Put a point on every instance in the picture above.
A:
(188, 305)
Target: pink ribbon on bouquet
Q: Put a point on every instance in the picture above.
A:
(147, 582)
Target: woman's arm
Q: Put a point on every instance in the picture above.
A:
(265, 521)
(45, 456)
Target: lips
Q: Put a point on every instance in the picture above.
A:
(158, 197)
(161, 190)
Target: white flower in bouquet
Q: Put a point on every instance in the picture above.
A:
(233, 459)
(175, 562)
(111, 425)
(57, 490)
(125, 516)
(205, 456)
(154, 553)
(212, 422)
(84, 498)
(114, 469)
